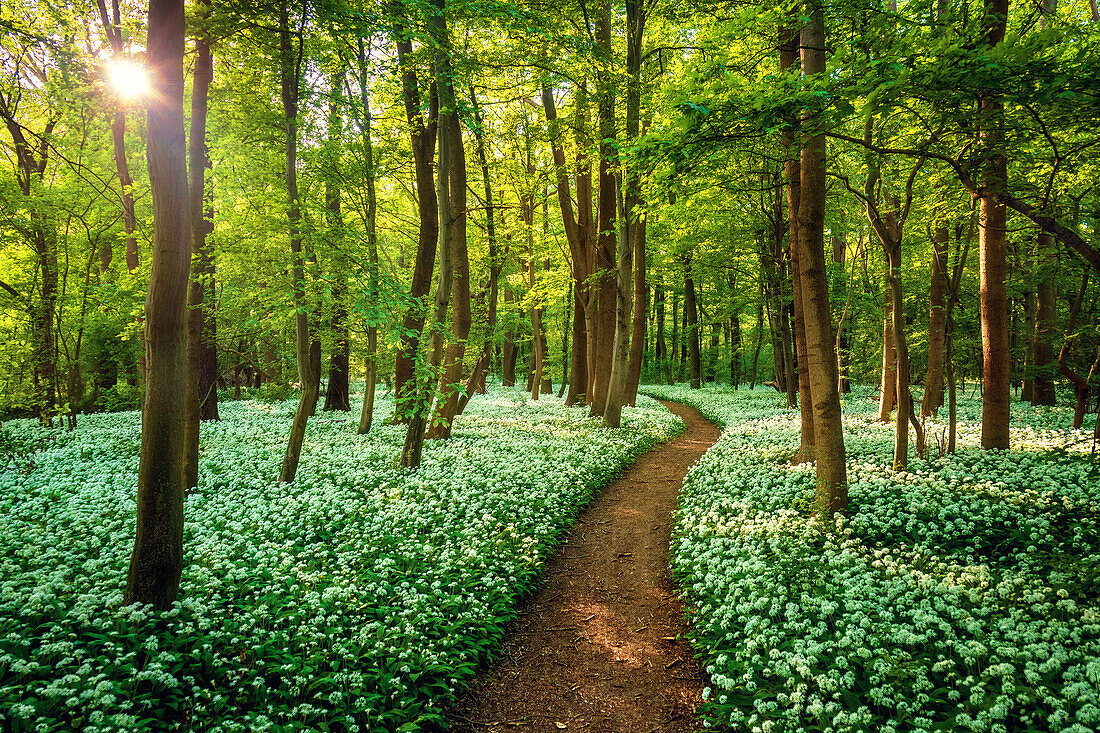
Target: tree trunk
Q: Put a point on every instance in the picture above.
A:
(370, 365)
(290, 60)
(996, 357)
(692, 327)
(660, 347)
(901, 349)
(423, 138)
(496, 264)
(338, 391)
(1080, 384)
(832, 484)
(452, 221)
(576, 236)
(1046, 323)
(937, 320)
(200, 387)
(676, 338)
(606, 263)
(888, 380)
(633, 227)
(156, 563)
(788, 58)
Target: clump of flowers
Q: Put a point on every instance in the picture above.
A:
(359, 597)
(960, 595)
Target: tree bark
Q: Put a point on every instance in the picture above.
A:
(831, 494)
(370, 371)
(496, 264)
(338, 390)
(937, 321)
(156, 562)
(576, 236)
(606, 263)
(202, 397)
(1046, 323)
(996, 356)
(692, 327)
(888, 379)
(1080, 384)
(423, 138)
(290, 60)
(788, 58)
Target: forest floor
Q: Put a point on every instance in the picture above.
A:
(601, 646)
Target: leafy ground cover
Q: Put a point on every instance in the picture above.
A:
(356, 598)
(963, 594)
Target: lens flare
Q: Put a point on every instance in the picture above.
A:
(129, 80)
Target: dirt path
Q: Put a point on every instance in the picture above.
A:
(600, 647)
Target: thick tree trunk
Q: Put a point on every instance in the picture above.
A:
(788, 58)
(156, 563)
(832, 483)
(996, 356)
(888, 378)
(606, 263)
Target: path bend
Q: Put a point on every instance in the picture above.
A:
(601, 646)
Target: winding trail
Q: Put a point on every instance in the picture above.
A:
(601, 647)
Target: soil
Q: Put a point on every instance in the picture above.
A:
(601, 647)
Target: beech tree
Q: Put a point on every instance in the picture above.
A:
(156, 563)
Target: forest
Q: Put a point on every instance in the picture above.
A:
(322, 325)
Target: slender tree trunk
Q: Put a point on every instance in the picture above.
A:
(692, 325)
(423, 137)
(627, 364)
(290, 60)
(200, 388)
(1080, 384)
(759, 329)
(901, 430)
(452, 212)
(1046, 323)
(832, 483)
(370, 371)
(496, 265)
(676, 338)
(937, 320)
(112, 27)
(576, 236)
(156, 563)
(660, 347)
(888, 379)
(338, 391)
